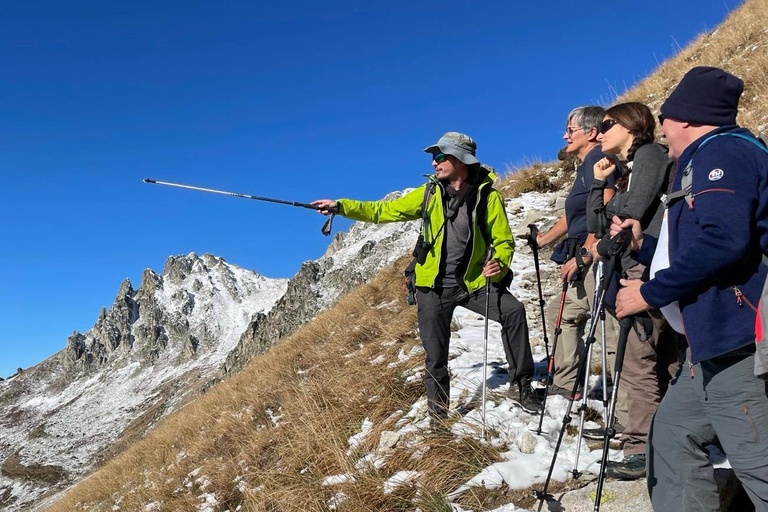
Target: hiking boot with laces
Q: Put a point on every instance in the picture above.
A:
(598, 434)
(529, 400)
(631, 468)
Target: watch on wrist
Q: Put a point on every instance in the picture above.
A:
(584, 252)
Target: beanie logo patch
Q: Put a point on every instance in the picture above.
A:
(715, 174)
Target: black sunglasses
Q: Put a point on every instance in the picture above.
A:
(607, 125)
(661, 118)
(439, 157)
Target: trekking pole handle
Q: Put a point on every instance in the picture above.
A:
(533, 236)
(620, 242)
(489, 253)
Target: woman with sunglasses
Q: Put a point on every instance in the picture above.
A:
(651, 357)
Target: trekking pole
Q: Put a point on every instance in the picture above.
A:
(625, 325)
(583, 407)
(488, 256)
(582, 411)
(605, 359)
(551, 358)
(534, 245)
(326, 229)
(617, 245)
(599, 277)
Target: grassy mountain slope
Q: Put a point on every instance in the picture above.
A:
(268, 438)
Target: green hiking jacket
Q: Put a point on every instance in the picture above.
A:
(409, 207)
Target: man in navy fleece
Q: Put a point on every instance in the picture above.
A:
(707, 276)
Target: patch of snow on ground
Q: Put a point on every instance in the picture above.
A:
(399, 479)
(358, 438)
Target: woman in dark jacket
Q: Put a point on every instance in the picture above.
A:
(651, 358)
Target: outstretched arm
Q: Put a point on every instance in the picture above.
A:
(403, 208)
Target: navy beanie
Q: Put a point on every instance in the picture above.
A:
(705, 95)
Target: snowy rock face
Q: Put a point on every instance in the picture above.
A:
(153, 349)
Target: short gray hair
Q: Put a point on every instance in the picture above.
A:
(588, 117)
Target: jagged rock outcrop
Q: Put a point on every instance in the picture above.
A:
(111, 332)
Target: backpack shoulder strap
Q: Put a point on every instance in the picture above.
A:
(686, 183)
(482, 212)
(429, 191)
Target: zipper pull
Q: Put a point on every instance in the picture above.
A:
(739, 296)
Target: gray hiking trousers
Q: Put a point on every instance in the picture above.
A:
(718, 398)
(435, 312)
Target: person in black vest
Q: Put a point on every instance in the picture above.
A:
(707, 273)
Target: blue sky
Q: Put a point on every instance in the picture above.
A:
(295, 100)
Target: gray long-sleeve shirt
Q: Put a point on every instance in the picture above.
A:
(649, 178)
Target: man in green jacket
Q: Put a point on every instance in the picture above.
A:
(464, 215)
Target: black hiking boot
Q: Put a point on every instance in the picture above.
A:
(529, 400)
(598, 434)
(631, 468)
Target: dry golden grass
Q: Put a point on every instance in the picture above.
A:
(536, 177)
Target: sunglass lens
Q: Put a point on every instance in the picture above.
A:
(607, 125)
(439, 157)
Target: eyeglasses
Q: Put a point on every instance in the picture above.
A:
(661, 118)
(439, 157)
(607, 125)
(569, 130)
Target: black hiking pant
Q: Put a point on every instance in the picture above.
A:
(435, 312)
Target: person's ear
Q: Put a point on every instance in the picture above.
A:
(592, 135)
